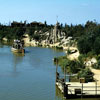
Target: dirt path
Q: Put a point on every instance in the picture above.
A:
(96, 74)
(74, 56)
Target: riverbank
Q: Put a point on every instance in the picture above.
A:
(72, 56)
(44, 43)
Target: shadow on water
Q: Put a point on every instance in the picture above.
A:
(17, 59)
(59, 95)
(18, 54)
(1, 46)
(26, 51)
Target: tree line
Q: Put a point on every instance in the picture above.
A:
(17, 29)
(87, 36)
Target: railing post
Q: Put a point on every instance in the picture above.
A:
(57, 74)
(82, 92)
(96, 87)
(65, 74)
(65, 90)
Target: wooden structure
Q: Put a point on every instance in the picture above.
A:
(77, 89)
(17, 47)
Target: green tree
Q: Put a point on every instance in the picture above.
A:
(87, 74)
(97, 45)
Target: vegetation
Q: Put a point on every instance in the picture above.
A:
(87, 37)
(75, 67)
(90, 40)
(88, 43)
(87, 74)
(97, 65)
(17, 29)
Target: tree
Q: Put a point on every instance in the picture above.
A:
(87, 74)
(84, 45)
(97, 45)
(45, 23)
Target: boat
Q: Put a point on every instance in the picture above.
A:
(17, 47)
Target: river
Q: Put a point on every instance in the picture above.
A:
(28, 77)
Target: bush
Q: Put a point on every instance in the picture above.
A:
(97, 45)
(74, 66)
(84, 45)
(87, 74)
(36, 37)
(97, 66)
(71, 66)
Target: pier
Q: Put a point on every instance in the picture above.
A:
(79, 89)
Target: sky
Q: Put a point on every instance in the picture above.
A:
(64, 11)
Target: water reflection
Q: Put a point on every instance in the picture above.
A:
(30, 76)
(59, 95)
(17, 59)
(1, 46)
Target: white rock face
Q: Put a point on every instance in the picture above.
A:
(90, 62)
(5, 39)
(29, 42)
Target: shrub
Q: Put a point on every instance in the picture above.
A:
(97, 66)
(87, 74)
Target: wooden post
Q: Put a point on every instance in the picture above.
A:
(56, 70)
(82, 92)
(65, 90)
(69, 78)
(57, 77)
(64, 74)
(96, 87)
(23, 51)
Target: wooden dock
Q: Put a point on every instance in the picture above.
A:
(77, 89)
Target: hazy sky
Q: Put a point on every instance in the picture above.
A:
(68, 11)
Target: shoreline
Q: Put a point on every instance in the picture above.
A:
(73, 56)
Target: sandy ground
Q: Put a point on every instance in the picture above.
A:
(96, 75)
(75, 55)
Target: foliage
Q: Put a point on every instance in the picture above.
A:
(17, 29)
(63, 61)
(97, 45)
(71, 66)
(87, 74)
(87, 36)
(36, 37)
(84, 45)
(90, 41)
(97, 65)
(76, 67)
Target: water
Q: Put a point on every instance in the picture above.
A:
(29, 77)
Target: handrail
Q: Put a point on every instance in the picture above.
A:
(85, 86)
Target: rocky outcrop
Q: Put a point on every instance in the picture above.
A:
(90, 62)
(5, 39)
(53, 38)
